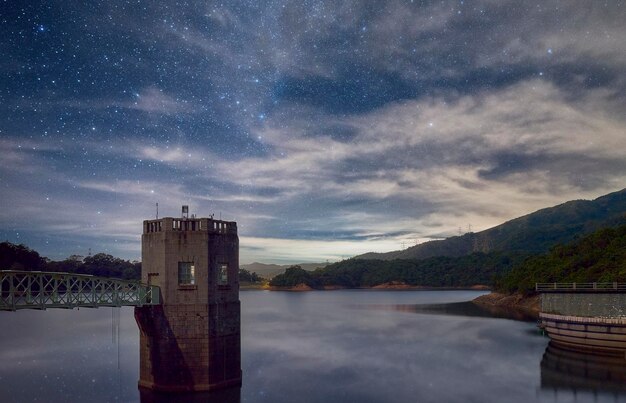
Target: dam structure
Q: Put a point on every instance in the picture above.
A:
(585, 316)
(192, 340)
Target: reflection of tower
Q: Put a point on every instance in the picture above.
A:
(230, 395)
(192, 341)
(582, 371)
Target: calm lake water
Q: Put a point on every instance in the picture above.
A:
(333, 346)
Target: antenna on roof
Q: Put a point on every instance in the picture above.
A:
(157, 214)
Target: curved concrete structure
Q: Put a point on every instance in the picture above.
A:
(583, 333)
(585, 316)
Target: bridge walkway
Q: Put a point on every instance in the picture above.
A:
(43, 290)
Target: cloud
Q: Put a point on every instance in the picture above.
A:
(343, 124)
(412, 170)
(154, 100)
(404, 145)
(420, 162)
(293, 250)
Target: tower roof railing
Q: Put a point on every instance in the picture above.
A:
(177, 224)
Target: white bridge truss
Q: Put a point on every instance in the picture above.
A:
(42, 290)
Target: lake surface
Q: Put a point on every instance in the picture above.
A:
(332, 346)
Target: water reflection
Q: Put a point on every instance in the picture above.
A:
(582, 372)
(459, 309)
(340, 346)
(230, 395)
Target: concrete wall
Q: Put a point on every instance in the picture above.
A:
(605, 305)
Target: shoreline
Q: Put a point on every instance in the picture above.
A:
(516, 306)
(530, 304)
(380, 287)
(515, 301)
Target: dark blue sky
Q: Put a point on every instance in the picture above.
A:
(324, 128)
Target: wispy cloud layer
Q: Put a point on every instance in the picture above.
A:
(325, 131)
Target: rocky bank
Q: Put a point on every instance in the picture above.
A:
(517, 301)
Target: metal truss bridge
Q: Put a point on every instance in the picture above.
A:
(42, 290)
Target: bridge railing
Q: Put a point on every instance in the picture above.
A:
(584, 287)
(41, 290)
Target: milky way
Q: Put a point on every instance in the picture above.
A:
(324, 128)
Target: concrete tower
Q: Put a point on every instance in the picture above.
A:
(192, 341)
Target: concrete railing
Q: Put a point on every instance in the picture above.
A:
(580, 287)
(209, 225)
(583, 320)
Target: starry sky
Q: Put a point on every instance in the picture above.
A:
(326, 129)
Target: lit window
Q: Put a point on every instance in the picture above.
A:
(223, 274)
(186, 273)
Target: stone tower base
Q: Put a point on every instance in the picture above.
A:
(228, 395)
(178, 342)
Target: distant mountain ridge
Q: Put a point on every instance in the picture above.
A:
(270, 270)
(532, 233)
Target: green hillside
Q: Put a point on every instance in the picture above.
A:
(598, 257)
(532, 233)
(20, 257)
(465, 271)
(270, 270)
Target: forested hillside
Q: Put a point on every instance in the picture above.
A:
(465, 271)
(20, 257)
(531, 234)
(598, 257)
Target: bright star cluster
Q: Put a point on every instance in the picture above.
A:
(325, 129)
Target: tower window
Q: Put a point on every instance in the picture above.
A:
(186, 273)
(223, 274)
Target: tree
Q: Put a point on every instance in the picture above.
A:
(293, 276)
(246, 277)
(19, 257)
